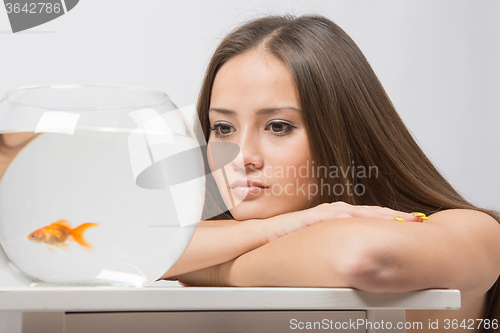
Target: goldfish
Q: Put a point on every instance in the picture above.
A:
(59, 232)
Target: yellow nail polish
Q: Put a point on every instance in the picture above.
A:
(421, 215)
(397, 218)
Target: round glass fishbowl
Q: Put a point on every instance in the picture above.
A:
(100, 185)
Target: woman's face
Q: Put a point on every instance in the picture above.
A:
(254, 104)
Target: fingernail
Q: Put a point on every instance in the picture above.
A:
(421, 215)
(397, 218)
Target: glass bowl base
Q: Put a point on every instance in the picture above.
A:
(83, 284)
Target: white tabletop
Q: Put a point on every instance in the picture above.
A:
(164, 298)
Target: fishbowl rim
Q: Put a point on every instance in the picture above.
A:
(7, 94)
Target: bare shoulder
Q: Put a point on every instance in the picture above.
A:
(465, 214)
(472, 223)
(474, 239)
(474, 228)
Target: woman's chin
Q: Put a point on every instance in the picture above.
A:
(263, 207)
(242, 213)
(247, 210)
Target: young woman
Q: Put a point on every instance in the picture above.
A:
(296, 94)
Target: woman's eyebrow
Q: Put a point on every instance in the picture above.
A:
(260, 112)
(224, 111)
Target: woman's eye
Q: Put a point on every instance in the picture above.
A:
(277, 127)
(221, 130)
(224, 129)
(280, 128)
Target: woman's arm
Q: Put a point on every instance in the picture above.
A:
(454, 249)
(216, 242)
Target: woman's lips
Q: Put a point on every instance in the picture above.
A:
(247, 187)
(244, 191)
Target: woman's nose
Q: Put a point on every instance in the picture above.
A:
(250, 156)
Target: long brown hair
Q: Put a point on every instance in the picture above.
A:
(349, 119)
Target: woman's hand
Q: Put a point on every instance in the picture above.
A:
(340, 209)
(285, 224)
(211, 276)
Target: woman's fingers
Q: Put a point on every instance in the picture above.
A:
(402, 216)
(372, 212)
(397, 215)
(286, 224)
(421, 216)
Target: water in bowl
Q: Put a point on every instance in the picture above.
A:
(90, 177)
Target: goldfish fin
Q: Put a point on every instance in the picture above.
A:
(51, 249)
(77, 234)
(62, 222)
(65, 247)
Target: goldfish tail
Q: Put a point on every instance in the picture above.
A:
(77, 234)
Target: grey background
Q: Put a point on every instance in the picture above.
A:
(439, 60)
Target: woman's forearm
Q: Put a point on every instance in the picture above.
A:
(289, 249)
(322, 255)
(215, 242)
(297, 260)
(351, 252)
(377, 255)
